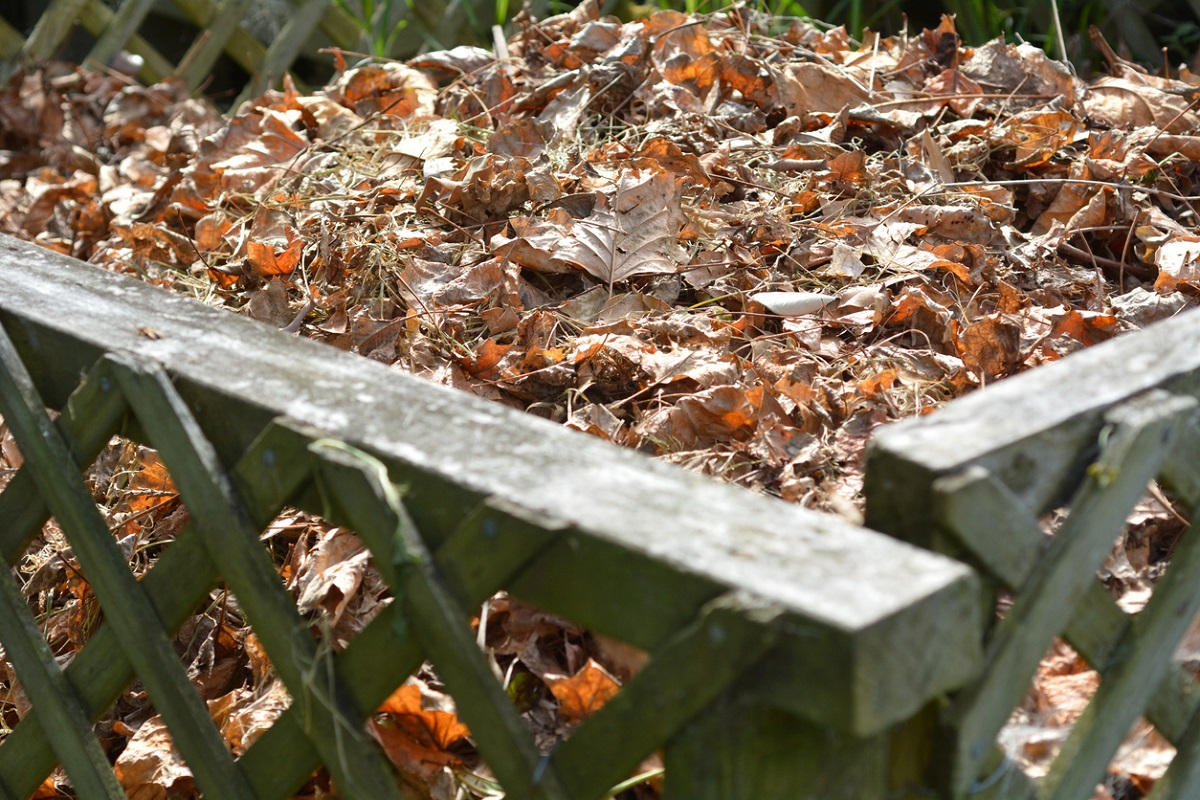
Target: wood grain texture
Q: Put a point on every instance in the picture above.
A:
(1035, 432)
(638, 545)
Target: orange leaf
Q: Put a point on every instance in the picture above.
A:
(848, 168)
(991, 346)
(429, 728)
(1086, 327)
(267, 262)
(878, 383)
(484, 364)
(584, 693)
(152, 485)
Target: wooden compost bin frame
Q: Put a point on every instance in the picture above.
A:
(1085, 434)
(785, 645)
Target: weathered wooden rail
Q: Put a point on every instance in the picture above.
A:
(785, 644)
(971, 480)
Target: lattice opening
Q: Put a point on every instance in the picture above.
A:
(1066, 683)
(1061, 690)
(557, 673)
(330, 577)
(1141, 555)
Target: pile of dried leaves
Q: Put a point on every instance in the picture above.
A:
(733, 242)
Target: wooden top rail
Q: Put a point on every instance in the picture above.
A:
(1085, 436)
(1034, 432)
(873, 627)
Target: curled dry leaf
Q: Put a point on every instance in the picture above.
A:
(793, 304)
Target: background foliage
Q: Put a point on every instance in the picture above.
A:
(1152, 32)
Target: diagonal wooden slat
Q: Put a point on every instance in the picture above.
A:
(1010, 548)
(232, 540)
(179, 581)
(1182, 778)
(437, 618)
(216, 29)
(731, 634)
(338, 26)
(284, 757)
(128, 610)
(1133, 447)
(22, 510)
(246, 51)
(52, 29)
(11, 42)
(285, 49)
(48, 689)
(97, 18)
(120, 29)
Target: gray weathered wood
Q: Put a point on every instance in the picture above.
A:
(231, 538)
(1033, 431)
(740, 750)
(854, 590)
(128, 610)
(1141, 433)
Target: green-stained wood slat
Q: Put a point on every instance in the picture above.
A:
(221, 30)
(127, 609)
(11, 41)
(22, 510)
(338, 26)
(97, 18)
(494, 543)
(231, 537)
(1010, 548)
(1182, 778)
(703, 660)
(1181, 471)
(267, 475)
(285, 49)
(1134, 446)
(120, 29)
(52, 29)
(441, 624)
(740, 750)
(48, 690)
(284, 757)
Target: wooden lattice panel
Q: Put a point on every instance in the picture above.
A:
(750, 609)
(220, 30)
(1087, 435)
